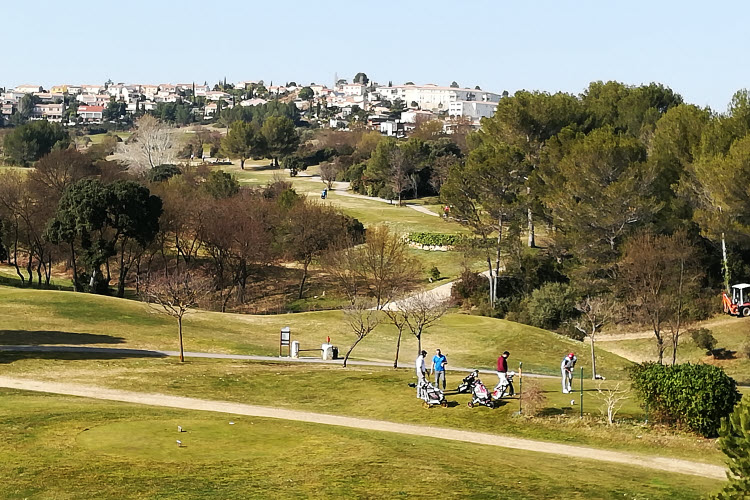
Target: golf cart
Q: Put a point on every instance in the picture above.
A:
(739, 302)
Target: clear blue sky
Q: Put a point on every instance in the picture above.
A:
(699, 49)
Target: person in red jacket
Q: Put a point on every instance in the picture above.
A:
(502, 368)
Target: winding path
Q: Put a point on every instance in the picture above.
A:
(651, 462)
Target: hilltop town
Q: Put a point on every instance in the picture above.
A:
(394, 110)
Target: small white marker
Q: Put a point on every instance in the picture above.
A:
(231, 423)
(179, 428)
(179, 443)
(572, 401)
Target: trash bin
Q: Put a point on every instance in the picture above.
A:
(327, 351)
(294, 351)
(335, 352)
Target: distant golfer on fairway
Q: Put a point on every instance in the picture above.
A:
(566, 370)
(438, 367)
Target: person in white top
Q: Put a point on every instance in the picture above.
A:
(566, 370)
(420, 366)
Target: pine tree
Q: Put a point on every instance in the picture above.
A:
(734, 441)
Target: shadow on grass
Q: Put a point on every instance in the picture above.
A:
(38, 337)
(16, 283)
(74, 354)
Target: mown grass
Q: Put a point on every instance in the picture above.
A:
(469, 341)
(63, 447)
(370, 392)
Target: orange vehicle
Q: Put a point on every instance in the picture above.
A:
(739, 303)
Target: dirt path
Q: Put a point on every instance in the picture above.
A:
(657, 463)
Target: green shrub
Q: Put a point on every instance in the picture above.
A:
(161, 173)
(550, 305)
(703, 338)
(435, 239)
(469, 284)
(734, 442)
(435, 273)
(694, 396)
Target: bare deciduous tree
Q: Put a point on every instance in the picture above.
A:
(362, 319)
(400, 170)
(421, 311)
(175, 295)
(151, 145)
(596, 312)
(612, 400)
(328, 172)
(397, 319)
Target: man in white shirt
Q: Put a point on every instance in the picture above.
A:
(420, 366)
(421, 371)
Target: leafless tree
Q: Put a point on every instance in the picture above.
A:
(612, 400)
(328, 172)
(596, 312)
(653, 275)
(362, 319)
(421, 311)
(397, 319)
(386, 266)
(175, 295)
(400, 171)
(152, 144)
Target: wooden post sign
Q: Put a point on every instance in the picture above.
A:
(285, 340)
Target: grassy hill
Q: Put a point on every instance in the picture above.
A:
(58, 317)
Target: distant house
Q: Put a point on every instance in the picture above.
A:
(7, 109)
(210, 110)
(50, 96)
(475, 110)
(168, 88)
(49, 112)
(253, 102)
(28, 89)
(92, 89)
(59, 89)
(202, 90)
(90, 113)
(354, 89)
(217, 95)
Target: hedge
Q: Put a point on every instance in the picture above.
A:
(696, 396)
(436, 239)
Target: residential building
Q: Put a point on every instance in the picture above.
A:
(90, 113)
(257, 101)
(28, 89)
(354, 89)
(414, 115)
(433, 97)
(92, 89)
(209, 110)
(50, 96)
(216, 95)
(59, 89)
(475, 110)
(49, 112)
(7, 109)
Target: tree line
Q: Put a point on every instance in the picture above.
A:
(633, 191)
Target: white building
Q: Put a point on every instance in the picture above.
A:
(475, 110)
(353, 89)
(49, 112)
(432, 97)
(90, 113)
(28, 89)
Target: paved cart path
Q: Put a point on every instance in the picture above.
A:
(631, 459)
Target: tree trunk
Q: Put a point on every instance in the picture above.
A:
(123, 272)
(179, 333)
(304, 278)
(346, 358)
(593, 356)
(532, 240)
(76, 286)
(15, 260)
(419, 343)
(398, 347)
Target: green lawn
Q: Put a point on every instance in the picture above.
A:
(63, 447)
(371, 392)
(469, 341)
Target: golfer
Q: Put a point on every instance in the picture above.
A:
(566, 370)
(438, 367)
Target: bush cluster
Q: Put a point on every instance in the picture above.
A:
(694, 396)
(436, 239)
